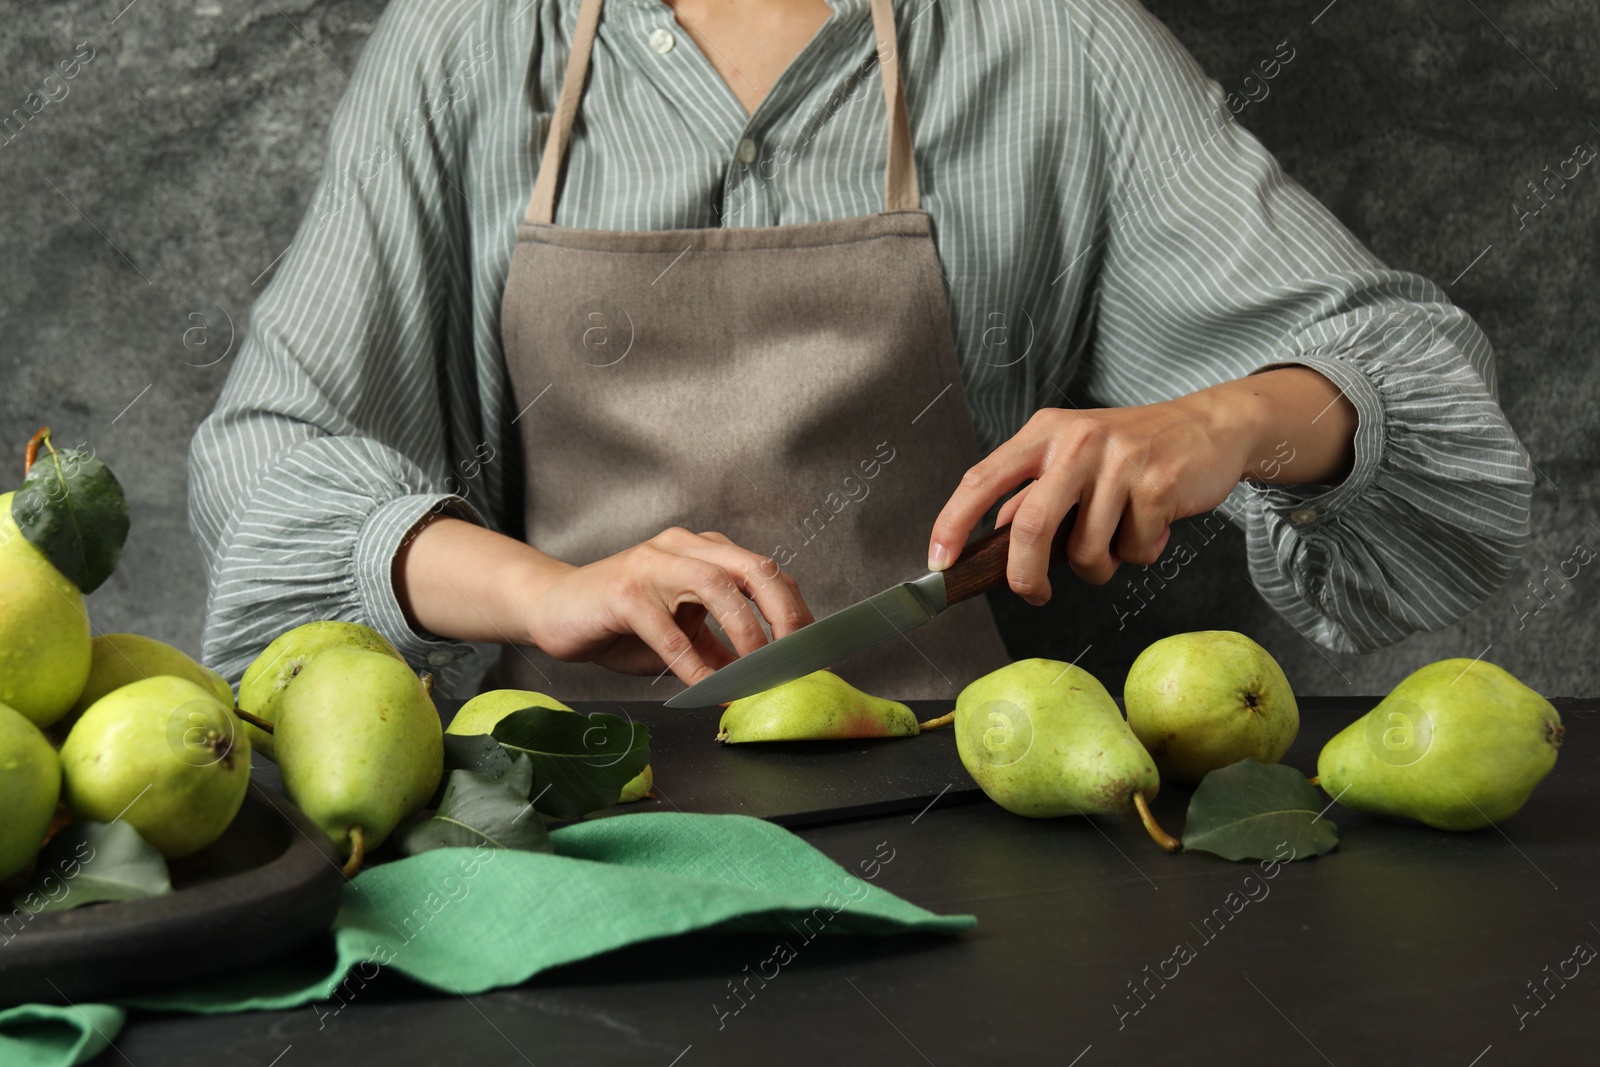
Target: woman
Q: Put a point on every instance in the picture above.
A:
(611, 323)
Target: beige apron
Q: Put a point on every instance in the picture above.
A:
(794, 388)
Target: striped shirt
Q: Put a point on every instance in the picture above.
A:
(1105, 225)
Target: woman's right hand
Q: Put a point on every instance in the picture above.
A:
(641, 611)
(644, 610)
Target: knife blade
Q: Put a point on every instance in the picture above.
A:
(882, 616)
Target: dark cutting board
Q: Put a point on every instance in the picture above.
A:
(791, 783)
(794, 783)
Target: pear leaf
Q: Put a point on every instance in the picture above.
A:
(71, 508)
(580, 762)
(88, 862)
(478, 753)
(1251, 810)
(479, 809)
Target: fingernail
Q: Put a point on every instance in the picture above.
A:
(938, 558)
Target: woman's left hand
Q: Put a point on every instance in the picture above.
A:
(1133, 471)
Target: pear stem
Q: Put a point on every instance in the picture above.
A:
(358, 851)
(1314, 780)
(1157, 834)
(264, 725)
(934, 724)
(32, 451)
(61, 818)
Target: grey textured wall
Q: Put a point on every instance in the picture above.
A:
(146, 200)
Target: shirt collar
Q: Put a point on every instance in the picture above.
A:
(845, 12)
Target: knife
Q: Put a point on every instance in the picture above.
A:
(898, 609)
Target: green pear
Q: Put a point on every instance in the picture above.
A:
(164, 755)
(638, 787)
(118, 659)
(44, 629)
(819, 706)
(1043, 738)
(1199, 701)
(1458, 744)
(30, 785)
(360, 745)
(483, 712)
(264, 681)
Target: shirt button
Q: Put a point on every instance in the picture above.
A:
(1303, 516)
(662, 41)
(439, 659)
(747, 151)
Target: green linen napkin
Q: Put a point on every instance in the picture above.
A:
(45, 1035)
(465, 920)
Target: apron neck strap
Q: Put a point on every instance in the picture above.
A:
(900, 177)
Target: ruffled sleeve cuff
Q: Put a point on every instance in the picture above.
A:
(1306, 506)
(1434, 515)
(385, 531)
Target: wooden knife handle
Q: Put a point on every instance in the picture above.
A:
(982, 564)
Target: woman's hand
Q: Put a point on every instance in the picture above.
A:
(643, 610)
(1132, 471)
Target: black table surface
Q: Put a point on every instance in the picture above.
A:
(1405, 945)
